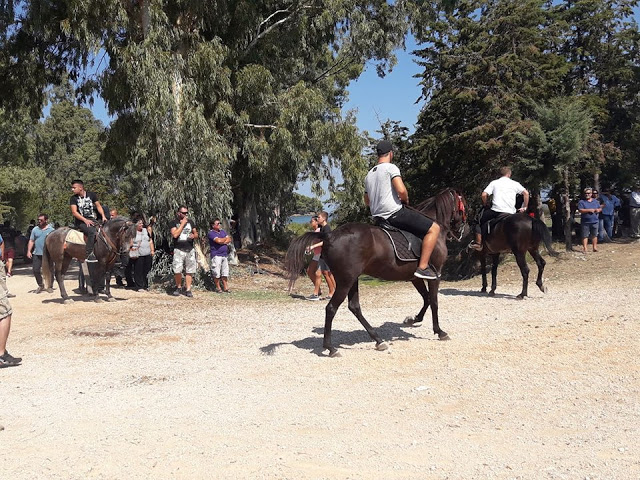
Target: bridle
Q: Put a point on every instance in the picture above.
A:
(114, 251)
(461, 210)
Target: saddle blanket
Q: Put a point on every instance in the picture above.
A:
(405, 245)
(75, 236)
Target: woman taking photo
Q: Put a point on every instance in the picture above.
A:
(141, 256)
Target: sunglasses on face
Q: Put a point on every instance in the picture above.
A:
(184, 213)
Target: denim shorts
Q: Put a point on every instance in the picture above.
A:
(589, 230)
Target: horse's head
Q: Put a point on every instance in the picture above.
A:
(121, 231)
(449, 209)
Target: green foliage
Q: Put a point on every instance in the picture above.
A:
(303, 205)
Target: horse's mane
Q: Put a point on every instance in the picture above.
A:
(439, 207)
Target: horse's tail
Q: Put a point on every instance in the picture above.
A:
(294, 259)
(543, 233)
(46, 267)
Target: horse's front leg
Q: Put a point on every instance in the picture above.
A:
(107, 286)
(495, 260)
(354, 307)
(421, 287)
(483, 270)
(434, 285)
(540, 263)
(521, 259)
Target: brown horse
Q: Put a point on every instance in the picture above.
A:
(516, 233)
(355, 249)
(112, 240)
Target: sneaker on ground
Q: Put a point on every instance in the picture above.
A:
(188, 294)
(428, 273)
(226, 291)
(313, 297)
(92, 258)
(177, 292)
(7, 360)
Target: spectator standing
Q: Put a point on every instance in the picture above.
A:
(184, 233)
(634, 213)
(610, 203)
(141, 256)
(32, 225)
(218, 246)
(589, 209)
(6, 360)
(35, 248)
(9, 236)
(324, 268)
(312, 270)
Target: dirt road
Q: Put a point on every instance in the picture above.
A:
(236, 386)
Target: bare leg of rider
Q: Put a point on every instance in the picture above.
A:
(428, 244)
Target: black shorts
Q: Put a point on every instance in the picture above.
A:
(411, 221)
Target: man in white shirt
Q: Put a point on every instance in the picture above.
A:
(634, 212)
(386, 195)
(503, 192)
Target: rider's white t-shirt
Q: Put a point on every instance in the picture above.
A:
(383, 198)
(504, 191)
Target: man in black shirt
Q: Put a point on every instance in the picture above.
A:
(85, 208)
(184, 233)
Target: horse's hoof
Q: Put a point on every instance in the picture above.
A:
(382, 346)
(483, 290)
(67, 301)
(521, 297)
(335, 354)
(492, 293)
(98, 300)
(543, 289)
(444, 336)
(111, 299)
(408, 321)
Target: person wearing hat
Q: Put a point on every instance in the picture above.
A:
(386, 196)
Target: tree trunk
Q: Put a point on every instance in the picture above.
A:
(566, 204)
(596, 182)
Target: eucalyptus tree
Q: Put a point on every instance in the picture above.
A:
(220, 104)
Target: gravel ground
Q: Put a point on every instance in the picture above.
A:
(237, 386)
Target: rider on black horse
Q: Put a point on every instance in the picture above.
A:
(504, 191)
(386, 195)
(85, 208)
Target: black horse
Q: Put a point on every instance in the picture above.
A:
(517, 233)
(355, 248)
(112, 240)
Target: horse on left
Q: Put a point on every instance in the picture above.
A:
(113, 240)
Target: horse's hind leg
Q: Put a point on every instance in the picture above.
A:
(521, 259)
(354, 307)
(422, 290)
(540, 262)
(495, 261)
(61, 269)
(330, 311)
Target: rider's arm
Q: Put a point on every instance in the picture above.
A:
(525, 203)
(403, 194)
(485, 199)
(100, 210)
(366, 199)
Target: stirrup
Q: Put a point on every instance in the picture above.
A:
(475, 246)
(91, 258)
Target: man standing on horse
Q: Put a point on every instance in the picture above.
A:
(504, 191)
(85, 208)
(386, 196)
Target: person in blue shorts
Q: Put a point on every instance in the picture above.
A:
(589, 209)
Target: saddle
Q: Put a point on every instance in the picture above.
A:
(75, 236)
(406, 245)
(491, 224)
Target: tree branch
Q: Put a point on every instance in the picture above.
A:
(260, 35)
(254, 125)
